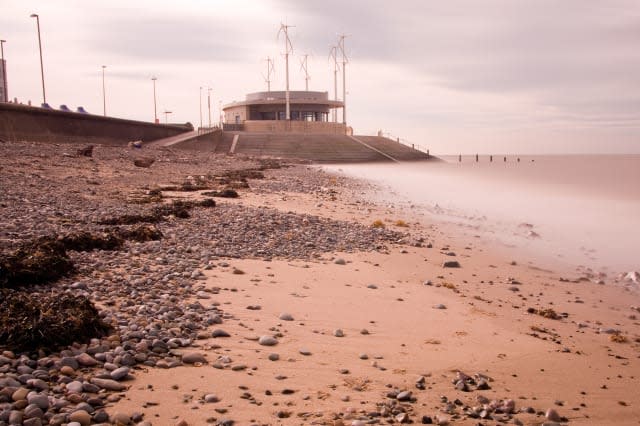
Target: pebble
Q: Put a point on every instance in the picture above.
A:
(119, 373)
(193, 358)
(267, 341)
(439, 306)
(219, 333)
(340, 261)
(305, 352)
(286, 316)
(108, 384)
(274, 357)
(81, 417)
(40, 400)
(451, 264)
(86, 360)
(552, 415)
(211, 398)
(338, 333)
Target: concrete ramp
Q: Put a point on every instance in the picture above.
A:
(398, 151)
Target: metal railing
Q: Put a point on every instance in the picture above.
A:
(406, 142)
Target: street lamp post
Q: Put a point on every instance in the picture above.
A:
(209, 104)
(5, 95)
(104, 93)
(166, 116)
(155, 110)
(44, 95)
(200, 107)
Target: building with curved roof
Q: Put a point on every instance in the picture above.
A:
(266, 112)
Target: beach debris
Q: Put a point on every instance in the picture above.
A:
(87, 151)
(41, 261)
(547, 313)
(31, 321)
(224, 193)
(141, 233)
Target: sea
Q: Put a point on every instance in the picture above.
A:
(580, 210)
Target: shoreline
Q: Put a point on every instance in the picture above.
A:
(417, 322)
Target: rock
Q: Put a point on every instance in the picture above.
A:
(274, 357)
(338, 333)
(32, 411)
(219, 333)
(404, 396)
(87, 151)
(286, 316)
(211, 398)
(340, 261)
(20, 394)
(86, 360)
(40, 400)
(145, 162)
(305, 352)
(16, 417)
(451, 264)
(120, 419)
(552, 415)
(372, 286)
(439, 306)
(108, 384)
(74, 387)
(267, 341)
(81, 417)
(119, 373)
(193, 357)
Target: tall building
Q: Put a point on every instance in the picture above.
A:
(4, 95)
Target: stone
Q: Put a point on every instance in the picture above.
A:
(20, 394)
(219, 333)
(404, 396)
(340, 261)
(32, 411)
(108, 384)
(119, 373)
(286, 316)
(40, 400)
(74, 387)
(120, 419)
(274, 357)
(338, 333)
(144, 162)
(211, 398)
(451, 264)
(267, 341)
(552, 415)
(86, 360)
(305, 352)
(193, 357)
(81, 417)
(439, 306)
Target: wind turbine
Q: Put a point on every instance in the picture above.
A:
(270, 71)
(333, 54)
(288, 48)
(344, 76)
(304, 67)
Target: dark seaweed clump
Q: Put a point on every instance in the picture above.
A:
(30, 322)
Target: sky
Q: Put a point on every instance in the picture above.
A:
(456, 76)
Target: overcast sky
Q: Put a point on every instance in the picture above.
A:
(499, 76)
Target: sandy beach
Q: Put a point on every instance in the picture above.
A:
(303, 301)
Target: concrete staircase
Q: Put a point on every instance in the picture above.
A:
(394, 149)
(325, 148)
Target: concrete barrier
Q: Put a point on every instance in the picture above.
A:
(27, 123)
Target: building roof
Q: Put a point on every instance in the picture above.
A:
(279, 97)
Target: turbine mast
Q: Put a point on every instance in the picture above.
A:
(304, 67)
(288, 48)
(270, 71)
(333, 54)
(344, 77)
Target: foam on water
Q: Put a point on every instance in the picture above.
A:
(582, 209)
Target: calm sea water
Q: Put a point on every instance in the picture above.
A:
(582, 210)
